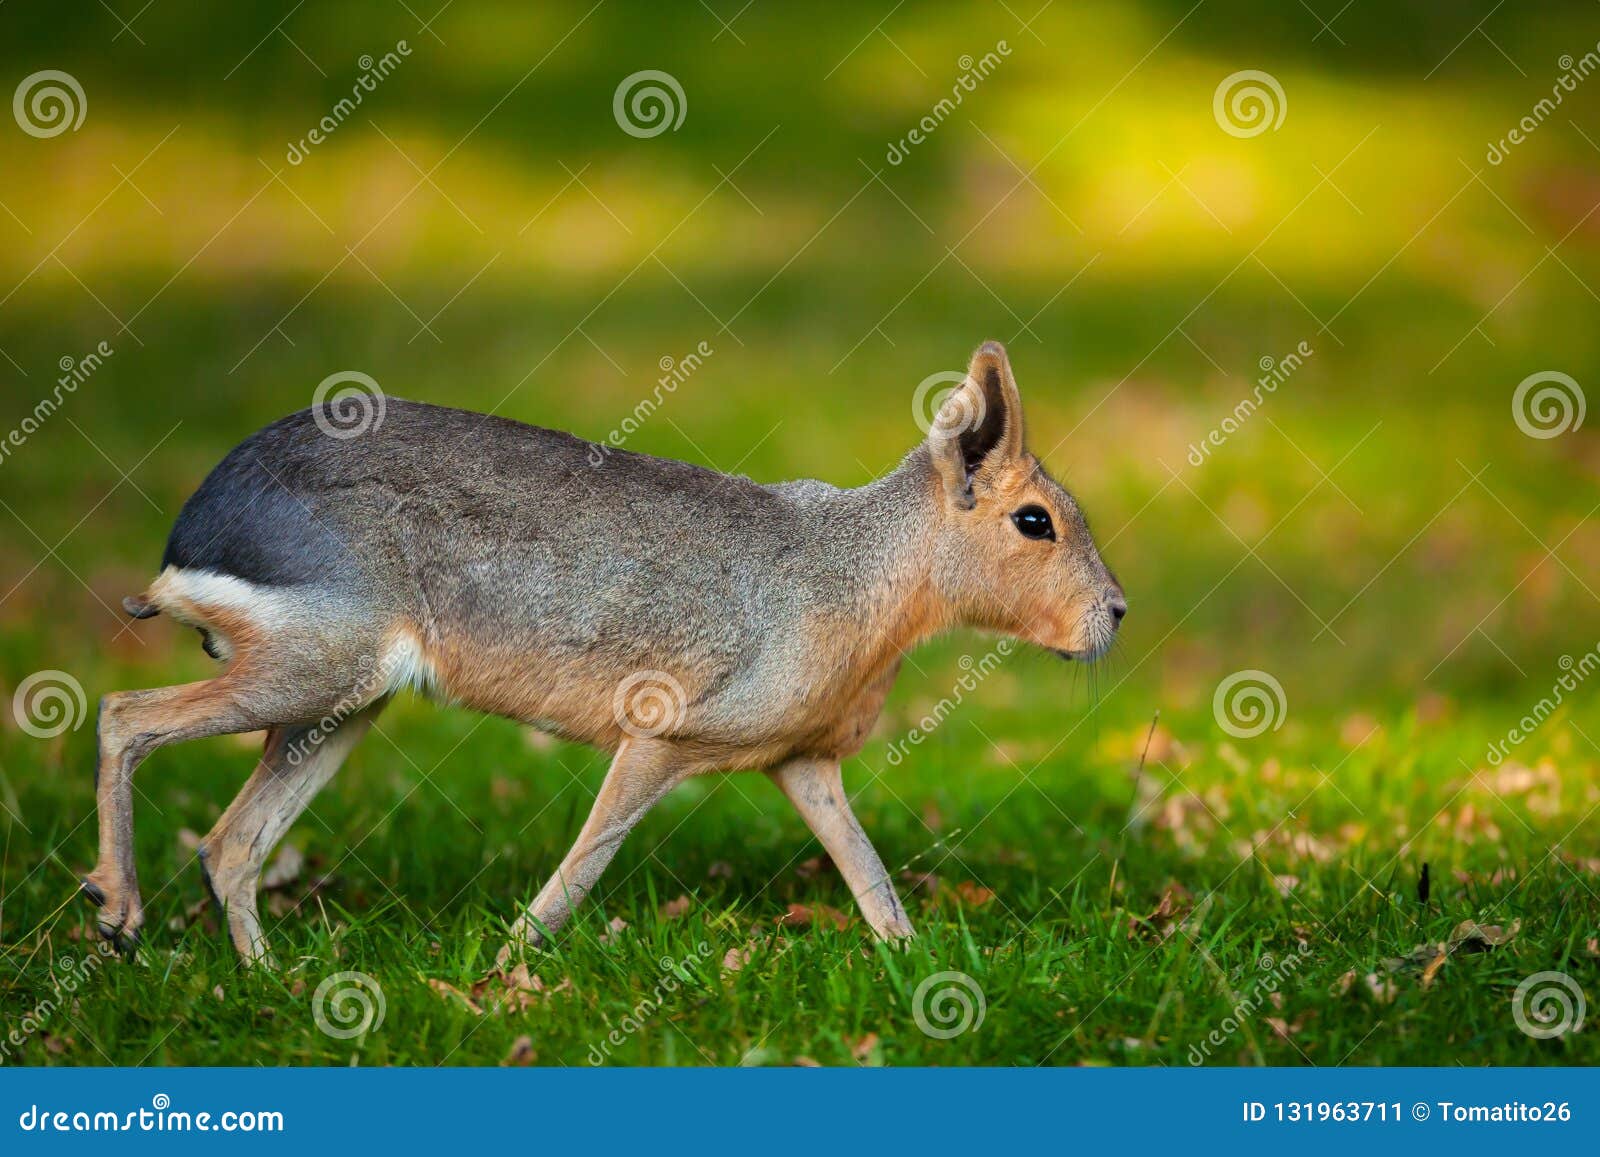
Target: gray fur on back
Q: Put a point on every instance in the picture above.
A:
(485, 528)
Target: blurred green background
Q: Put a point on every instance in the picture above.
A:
(1380, 535)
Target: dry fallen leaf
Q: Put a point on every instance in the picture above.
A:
(862, 1049)
(451, 992)
(1175, 903)
(672, 909)
(521, 1053)
(803, 915)
(973, 895)
(1381, 989)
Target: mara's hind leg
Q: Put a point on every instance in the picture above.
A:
(296, 764)
(132, 725)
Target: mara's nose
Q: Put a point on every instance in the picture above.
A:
(1117, 605)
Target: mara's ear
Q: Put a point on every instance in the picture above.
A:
(979, 423)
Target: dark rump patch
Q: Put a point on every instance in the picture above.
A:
(251, 519)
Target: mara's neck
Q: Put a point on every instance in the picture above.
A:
(880, 539)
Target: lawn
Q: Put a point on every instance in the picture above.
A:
(1119, 864)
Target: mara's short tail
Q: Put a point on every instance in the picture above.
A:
(140, 607)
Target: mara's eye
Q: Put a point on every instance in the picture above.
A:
(1034, 522)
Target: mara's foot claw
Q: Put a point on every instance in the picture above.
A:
(92, 892)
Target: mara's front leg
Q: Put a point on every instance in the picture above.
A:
(816, 789)
(642, 771)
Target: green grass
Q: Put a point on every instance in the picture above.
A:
(1380, 537)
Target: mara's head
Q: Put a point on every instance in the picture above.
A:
(1014, 553)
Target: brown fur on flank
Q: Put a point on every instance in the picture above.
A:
(687, 621)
